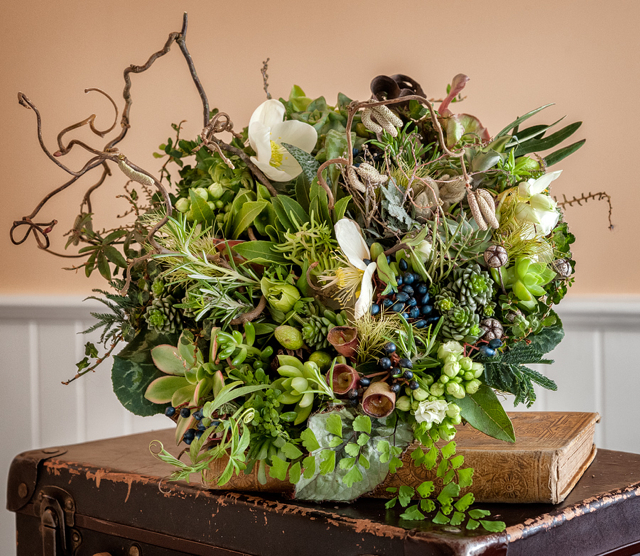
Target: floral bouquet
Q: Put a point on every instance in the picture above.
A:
(329, 286)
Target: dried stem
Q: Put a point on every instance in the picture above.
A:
(251, 315)
(265, 77)
(600, 196)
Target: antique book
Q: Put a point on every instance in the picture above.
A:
(551, 452)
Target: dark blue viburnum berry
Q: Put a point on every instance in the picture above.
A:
(495, 343)
(170, 411)
(414, 385)
(198, 415)
(487, 351)
(425, 299)
(396, 372)
(185, 412)
(375, 309)
(396, 387)
(414, 313)
(189, 434)
(408, 278)
(352, 394)
(408, 289)
(399, 280)
(405, 315)
(402, 297)
(385, 363)
(387, 302)
(405, 363)
(412, 302)
(421, 289)
(364, 381)
(420, 324)
(397, 307)
(403, 265)
(408, 375)
(426, 309)
(366, 261)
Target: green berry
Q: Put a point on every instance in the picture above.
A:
(289, 337)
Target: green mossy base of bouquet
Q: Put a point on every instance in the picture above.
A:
(378, 292)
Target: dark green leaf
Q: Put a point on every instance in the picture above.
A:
(537, 145)
(302, 193)
(115, 256)
(103, 267)
(307, 162)
(563, 153)
(484, 412)
(199, 207)
(246, 215)
(295, 213)
(521, 119)
(260, 252)
(340, 208)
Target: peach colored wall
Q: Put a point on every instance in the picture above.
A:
(582, 55)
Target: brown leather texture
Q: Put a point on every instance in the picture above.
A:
(122, 498)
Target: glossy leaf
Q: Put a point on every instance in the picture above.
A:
(246, 215)
(537, 145)
(521, 119)
(563, 153)
(201, 210)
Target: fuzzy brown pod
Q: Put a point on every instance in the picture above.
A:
(344, 339)
(345, 378)
(378, 400)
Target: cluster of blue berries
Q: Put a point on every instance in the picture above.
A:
(490, 349)
(399, 367)
(191, 434)
(412, 301)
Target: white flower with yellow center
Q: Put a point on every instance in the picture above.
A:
(537, 207)
(267, 132)
(355, 278)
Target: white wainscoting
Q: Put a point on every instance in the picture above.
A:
(596, 369)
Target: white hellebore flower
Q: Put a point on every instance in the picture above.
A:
(431, 412)
(267, 132)
(537, 207)
(356, 274)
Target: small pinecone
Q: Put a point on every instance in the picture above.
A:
(473, 286)
(496, 256)
(315, 330)
(461, 323)
(161, 316)
(492, 329)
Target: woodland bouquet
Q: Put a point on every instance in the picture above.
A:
(330, 285)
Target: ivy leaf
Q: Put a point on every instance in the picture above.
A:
(405, 494)
(353, 476)
(333, 424)
(412, 514)
(465, 477)
(493, 526)
(352, 449)
(309, 440)
(278, 469)
(362, 423)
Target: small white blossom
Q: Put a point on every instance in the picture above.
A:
(431, 412)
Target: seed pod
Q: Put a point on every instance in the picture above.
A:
(487, 207)
(345, 378)
(378, 400)
(475, 210)
(354, 181)
(453, 191)
(496, 256)
(562, 267)
(385, 123)
(344, 339)
(368, 122)
(492, 329)
(370, 174)
(385, 113)
(134, 174)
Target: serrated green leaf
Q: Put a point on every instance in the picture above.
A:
(484, 412)
(427, 505)
(352, 449)
(425, 489)
(457, 461)
(278, 469)
(442, 468)
(333, 425)
(448, 449)
(493, 526)
(448, 492)
(328, 463)
(309, 440)
(456, 519)
(353, 476)
(363, 439)
(246, 215)
(412, 514)
(440, 519)
(294, 473)
(291, 451)
(430, 458)
(405, 494)
(463, 503)
(362, 423)
(391, 503)
(465, 477)
(472, 524)
(477, 514)
(335, 441)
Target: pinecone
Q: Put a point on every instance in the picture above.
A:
(161, 316)
(315, 330)
(461, 323)
(473, 286)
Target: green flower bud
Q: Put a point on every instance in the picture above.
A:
(453, 409)
(289, 337)
(414, 405)
(472, 386)
(282, 296)
(183, 205)
(433, 398)
(457, 379)
(322, 359)
(420, 394)
(444, 379)
(469, 375)
(456, 390)
(216, 190)
(403, 403)
(202, 192)
(428, 380)
(451, 347)
(437, 389)
(211, 206)
(456, 419)
(451, 369)
(219, 204)
(447, 432)
(466, 363)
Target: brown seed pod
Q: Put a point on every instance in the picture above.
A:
(354, 181)
(562, 267)
(344, 339)
(453, 191)
(493, 329)
(496, 256)
(378, 400)
(475, 210)
(385, 113)
(487, 207)
(345, 378)
(370, 174)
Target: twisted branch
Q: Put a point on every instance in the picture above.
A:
(600, 196)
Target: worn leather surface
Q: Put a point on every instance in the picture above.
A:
(120, 482)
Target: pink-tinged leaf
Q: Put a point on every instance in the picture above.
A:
(187, 352)
(218, 382)
(167, 359)
(465, 125)
(162, 389)
(183, 424)
(202, 389)
(458, 83)
(183, 396)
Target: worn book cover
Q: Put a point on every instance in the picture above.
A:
(551, 452)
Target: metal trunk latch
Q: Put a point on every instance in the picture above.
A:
(56, 509)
